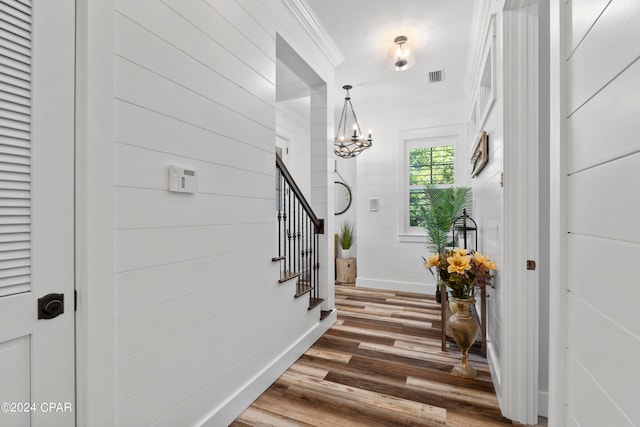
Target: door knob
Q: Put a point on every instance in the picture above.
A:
(50, 306)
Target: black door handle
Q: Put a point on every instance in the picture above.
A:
(50, 306)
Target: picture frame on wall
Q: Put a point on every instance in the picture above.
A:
(480, 154)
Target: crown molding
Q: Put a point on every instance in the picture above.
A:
(309, 21)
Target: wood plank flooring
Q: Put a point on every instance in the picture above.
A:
(379, 365)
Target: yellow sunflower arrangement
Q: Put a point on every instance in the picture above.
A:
(461, 271)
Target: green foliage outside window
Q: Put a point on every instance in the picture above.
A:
(433, 166)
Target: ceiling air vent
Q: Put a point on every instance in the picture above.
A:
(436, 76)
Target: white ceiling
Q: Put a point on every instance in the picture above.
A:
(363, 30)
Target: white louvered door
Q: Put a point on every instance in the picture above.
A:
(37, 362)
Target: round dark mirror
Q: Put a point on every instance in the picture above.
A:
(343, 197)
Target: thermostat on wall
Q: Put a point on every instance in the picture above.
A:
(183, 180)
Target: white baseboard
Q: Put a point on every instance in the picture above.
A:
(420, 288)
(494, 369)
(236, 404)
(543, 404)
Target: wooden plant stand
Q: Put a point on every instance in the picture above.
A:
(346, 270)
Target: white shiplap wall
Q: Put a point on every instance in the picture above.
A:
(384, 261)
(293, 123)
(603, 213)
(347, 171)
(488, 195)
(198, 311)
(488, 213)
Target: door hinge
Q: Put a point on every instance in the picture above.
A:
(501, 179)
(75, 300)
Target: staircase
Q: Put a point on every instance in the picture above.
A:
(298, 238)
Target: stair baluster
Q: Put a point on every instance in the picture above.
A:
(298, 236)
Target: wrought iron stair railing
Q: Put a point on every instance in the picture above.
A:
(298, 237)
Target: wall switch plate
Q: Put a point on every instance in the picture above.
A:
(183, 180)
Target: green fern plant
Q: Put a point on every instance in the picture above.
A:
(442, 207)
(347, 234)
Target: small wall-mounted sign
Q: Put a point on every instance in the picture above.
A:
(480, 155)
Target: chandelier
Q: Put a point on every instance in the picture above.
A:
(350, 146)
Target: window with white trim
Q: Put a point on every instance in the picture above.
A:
(427, 162)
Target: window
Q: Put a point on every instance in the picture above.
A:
(427, 166)
(428, 156)
(429, 162)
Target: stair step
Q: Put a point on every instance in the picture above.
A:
(288, 276)
(278, 258)
(302, 288)
(324, 314)
(314, 302)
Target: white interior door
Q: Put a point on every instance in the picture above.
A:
(36, 212)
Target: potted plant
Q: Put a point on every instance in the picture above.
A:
(442, 206)
(346, 237)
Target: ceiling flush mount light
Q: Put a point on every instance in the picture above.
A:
(401, 58)
(350, 146)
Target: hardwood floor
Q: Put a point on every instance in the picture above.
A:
(379, 365)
